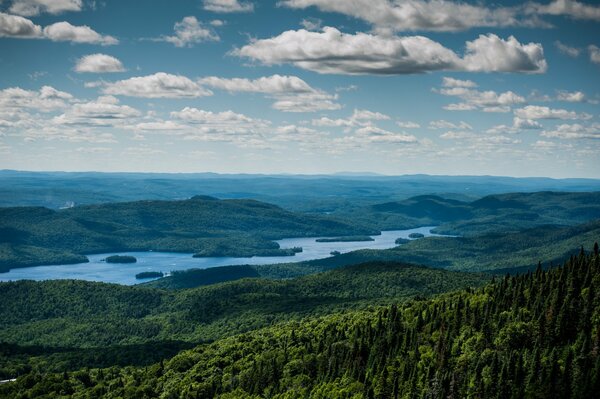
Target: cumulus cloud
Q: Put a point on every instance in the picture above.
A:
(225, 126)
(411, 15)
(375, 134)
(451, 82)
(291, 93)
(30, 8)
(571, 8)
(567, 50)
(444, 15)
(408, 125)
(45, 100)
(331, 51)
(105, 111)
(18, 27)
(594, 52)
(158, 85)
(471, 99)
(227, 6)
(65, 32)
(520, 123)
(359, 117)
(188, 32)
(488, 100)
(574, 131)
(23, 28)
(443, 124)
(540, 112)
(490, 53)
(98, 63)
(572, 97)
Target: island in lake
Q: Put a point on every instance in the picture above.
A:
(400, 241)
(144, 275)
(416, 235)
(346, 239)
(120, 259)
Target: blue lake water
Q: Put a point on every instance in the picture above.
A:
(97, 270)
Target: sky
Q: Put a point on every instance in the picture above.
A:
(394, 87)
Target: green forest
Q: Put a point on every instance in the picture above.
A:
(508, 306)
(534, 335)
(202, 225)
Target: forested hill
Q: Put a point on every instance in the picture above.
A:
(536, 335)
(495, 213)
(204, 225)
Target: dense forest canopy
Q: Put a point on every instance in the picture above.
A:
(533, 335)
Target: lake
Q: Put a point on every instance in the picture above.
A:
(97, 270)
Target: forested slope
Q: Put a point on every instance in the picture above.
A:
(58, 319)
(536, 335)
(204, 225)
(498, 213)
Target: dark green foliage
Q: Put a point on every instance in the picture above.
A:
(400, 241)
(75, 314)
(416, 235)
(120, 259)
(206, 226)
(492, 214)
(143, 275)
(198, 277)
(535, 336)
(498, 252)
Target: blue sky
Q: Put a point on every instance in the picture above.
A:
(301, 86)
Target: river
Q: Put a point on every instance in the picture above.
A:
(97, 270)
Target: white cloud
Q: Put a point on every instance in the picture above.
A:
(567, 50)
(408, 125)
(311, 23)
(363, 114)
(574, 131)
(45, 100)
(459, 107)
(457, 135)
(360, 117)
(99, 63)
(188, 32)
(159, 126)
(487, 101)
(375, 134)
(226, 6)
(443, 15)
(23, 28)
(570, 8)
(520, 123)
(539, 112)
(331, 51)
(291, 93)
(275, 84)
(490, 53)
(30, 8)
(218, 120)
(158, 85)
(18, 27)
(451, 82)
(300, 134)
(442, 124)
(65, 32)
(411, 15)
(572, 97)
(594, 52)
(105, 111)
